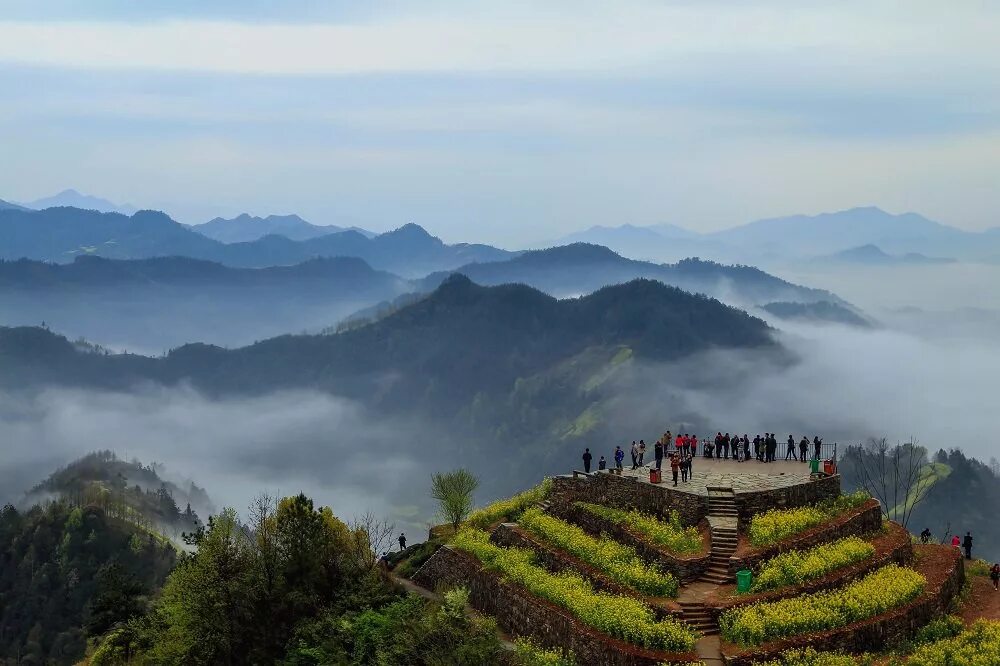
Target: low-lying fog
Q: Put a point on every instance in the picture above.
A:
(933, 377)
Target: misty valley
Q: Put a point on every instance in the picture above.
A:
(499, 334)
(159, 388)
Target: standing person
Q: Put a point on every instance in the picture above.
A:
(694, 445)
(817, 446)
(690, 461)
(674, 466)
(772, 447)
(658, 454)
(967, 544)
(678, 443)
(602, 464)
(619, 457)
(642, 451)
(925, 536)
(402, 541)
(790, 453)
(586, 460)
(746, 447)
(684, 467)
(995, 576)
(634, 452)
(803, 447)
(756, 447)
(718, 445)
(955, 542)
(667, 438)
(725, 446)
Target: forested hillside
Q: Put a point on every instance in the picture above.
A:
(963, 497)
(69, 573)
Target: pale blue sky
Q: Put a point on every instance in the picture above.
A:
(510, 123)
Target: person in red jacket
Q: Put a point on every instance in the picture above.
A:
(679, 443)
(675, 465)
(956, 542)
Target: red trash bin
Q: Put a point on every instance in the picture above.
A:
(654, 475)
(829, 468)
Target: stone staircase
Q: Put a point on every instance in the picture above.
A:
(697, 616)
(723, 519)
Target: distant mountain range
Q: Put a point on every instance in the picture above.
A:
(801, 237)
(244, 228)
(157, 304)
(581, 268)
(60, 234)
(872, 255)
(77, 200)
(430, 352)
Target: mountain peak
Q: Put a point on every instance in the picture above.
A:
(409, 230)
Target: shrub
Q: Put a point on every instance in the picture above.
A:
(779, 524)
(939, 629)
(979, 646)
(510, 508)
(625, 618)
(880, 591)
(619, 562)
(810, 657)
(795, 567)
(670, 533)
(529, 653)
(978, 567)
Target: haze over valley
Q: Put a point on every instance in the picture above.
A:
(286, 285)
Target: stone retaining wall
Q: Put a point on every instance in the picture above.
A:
(626, 492)
(751, 503)
(520, 613)
(683, 567)
(868, 635)
(866, 518)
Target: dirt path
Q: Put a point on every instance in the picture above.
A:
(983, 601)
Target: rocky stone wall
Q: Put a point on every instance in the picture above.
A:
(751, 503)
(625, 492)
(864, 519)
(522, 614)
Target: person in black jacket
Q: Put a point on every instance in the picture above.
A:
(791, 448)
(586, 460)
(817, 445)
(967, 544)
(658, 453)
(803, 448)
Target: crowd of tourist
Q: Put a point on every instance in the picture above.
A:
(681, 450)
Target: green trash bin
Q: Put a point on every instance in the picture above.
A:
(814, 466)
(744, 579)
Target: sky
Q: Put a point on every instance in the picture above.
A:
(512, 123)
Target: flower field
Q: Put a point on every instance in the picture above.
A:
(810, 657)
(510, 508)
(795, 566)
(618, 561)
(977, 646)
(625, 618)
(880, 591)
(778, 524)
(670, 534)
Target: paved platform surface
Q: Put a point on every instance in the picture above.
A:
(740, 476)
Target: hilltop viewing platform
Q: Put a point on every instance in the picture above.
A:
(749, 476)
(709, 571)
